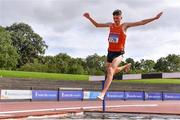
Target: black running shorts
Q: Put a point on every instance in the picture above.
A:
(112, 55)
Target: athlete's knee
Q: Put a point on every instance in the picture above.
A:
(107, 65)
(110, 70)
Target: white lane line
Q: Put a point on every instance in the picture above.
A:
(5, 115)
(118, 106)
(75, 108)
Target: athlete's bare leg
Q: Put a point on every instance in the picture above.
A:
(112, 68)
(125, 67)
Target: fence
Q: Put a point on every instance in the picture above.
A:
(63, 95)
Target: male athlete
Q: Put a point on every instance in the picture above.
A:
(117, 38)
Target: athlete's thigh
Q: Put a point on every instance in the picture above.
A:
(108, 64)
(117, 61)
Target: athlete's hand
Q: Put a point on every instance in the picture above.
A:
(158, 15)
(86, 15)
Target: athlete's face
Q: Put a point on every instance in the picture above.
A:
(117, 18)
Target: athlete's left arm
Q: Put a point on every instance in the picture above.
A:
(142, 22)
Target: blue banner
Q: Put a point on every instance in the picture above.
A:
(115, 95)
(153, 96)
(44, 95)
(70, 95)
(134, 95)
(93, 95)
(171, 96)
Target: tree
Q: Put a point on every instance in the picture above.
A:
(161, 65)
(34, 67)
(173, 62)
(50, 62)
(149, 65)
(130, 60)
(137, 65)
(28, 43)
(8, 53)
(77, 66)
(95, 64)
(62, 61)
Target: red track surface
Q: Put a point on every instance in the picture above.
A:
(24, 109)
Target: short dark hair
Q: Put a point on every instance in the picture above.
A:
(117, 12)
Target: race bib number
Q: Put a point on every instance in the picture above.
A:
(113, 38)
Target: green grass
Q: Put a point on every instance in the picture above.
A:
(56, 76)
(152, 81)
(40, 75)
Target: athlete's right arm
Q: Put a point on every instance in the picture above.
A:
(94, 22)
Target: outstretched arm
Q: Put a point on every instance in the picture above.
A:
(142, 22)
(94, 22)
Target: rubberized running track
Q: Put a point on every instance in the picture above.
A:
(24, 109)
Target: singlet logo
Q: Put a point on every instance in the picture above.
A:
(113, 38)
